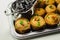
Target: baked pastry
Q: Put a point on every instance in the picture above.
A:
(50, 8)
(40, 11)
(37, 22)
(49, 2)
(22, 25)
(52, 19)
(57, 1)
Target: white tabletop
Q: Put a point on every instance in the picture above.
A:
(5, 28)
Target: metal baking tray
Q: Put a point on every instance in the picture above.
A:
(30, 34)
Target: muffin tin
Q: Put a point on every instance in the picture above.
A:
(13, 16)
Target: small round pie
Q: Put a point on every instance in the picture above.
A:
(58, 7)
(41, 1)
(22, 25)
(40, 11)
(52, 19)
(49, 2)
(50, 8)
(37, 22)
(57, 1)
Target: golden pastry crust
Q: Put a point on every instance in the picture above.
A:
(58, 7)
(41, 1)
(52, 18)
(40, 11)
(50, 8)
(37, 22)
(22, 25)
(49, 2)
(57, 1)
